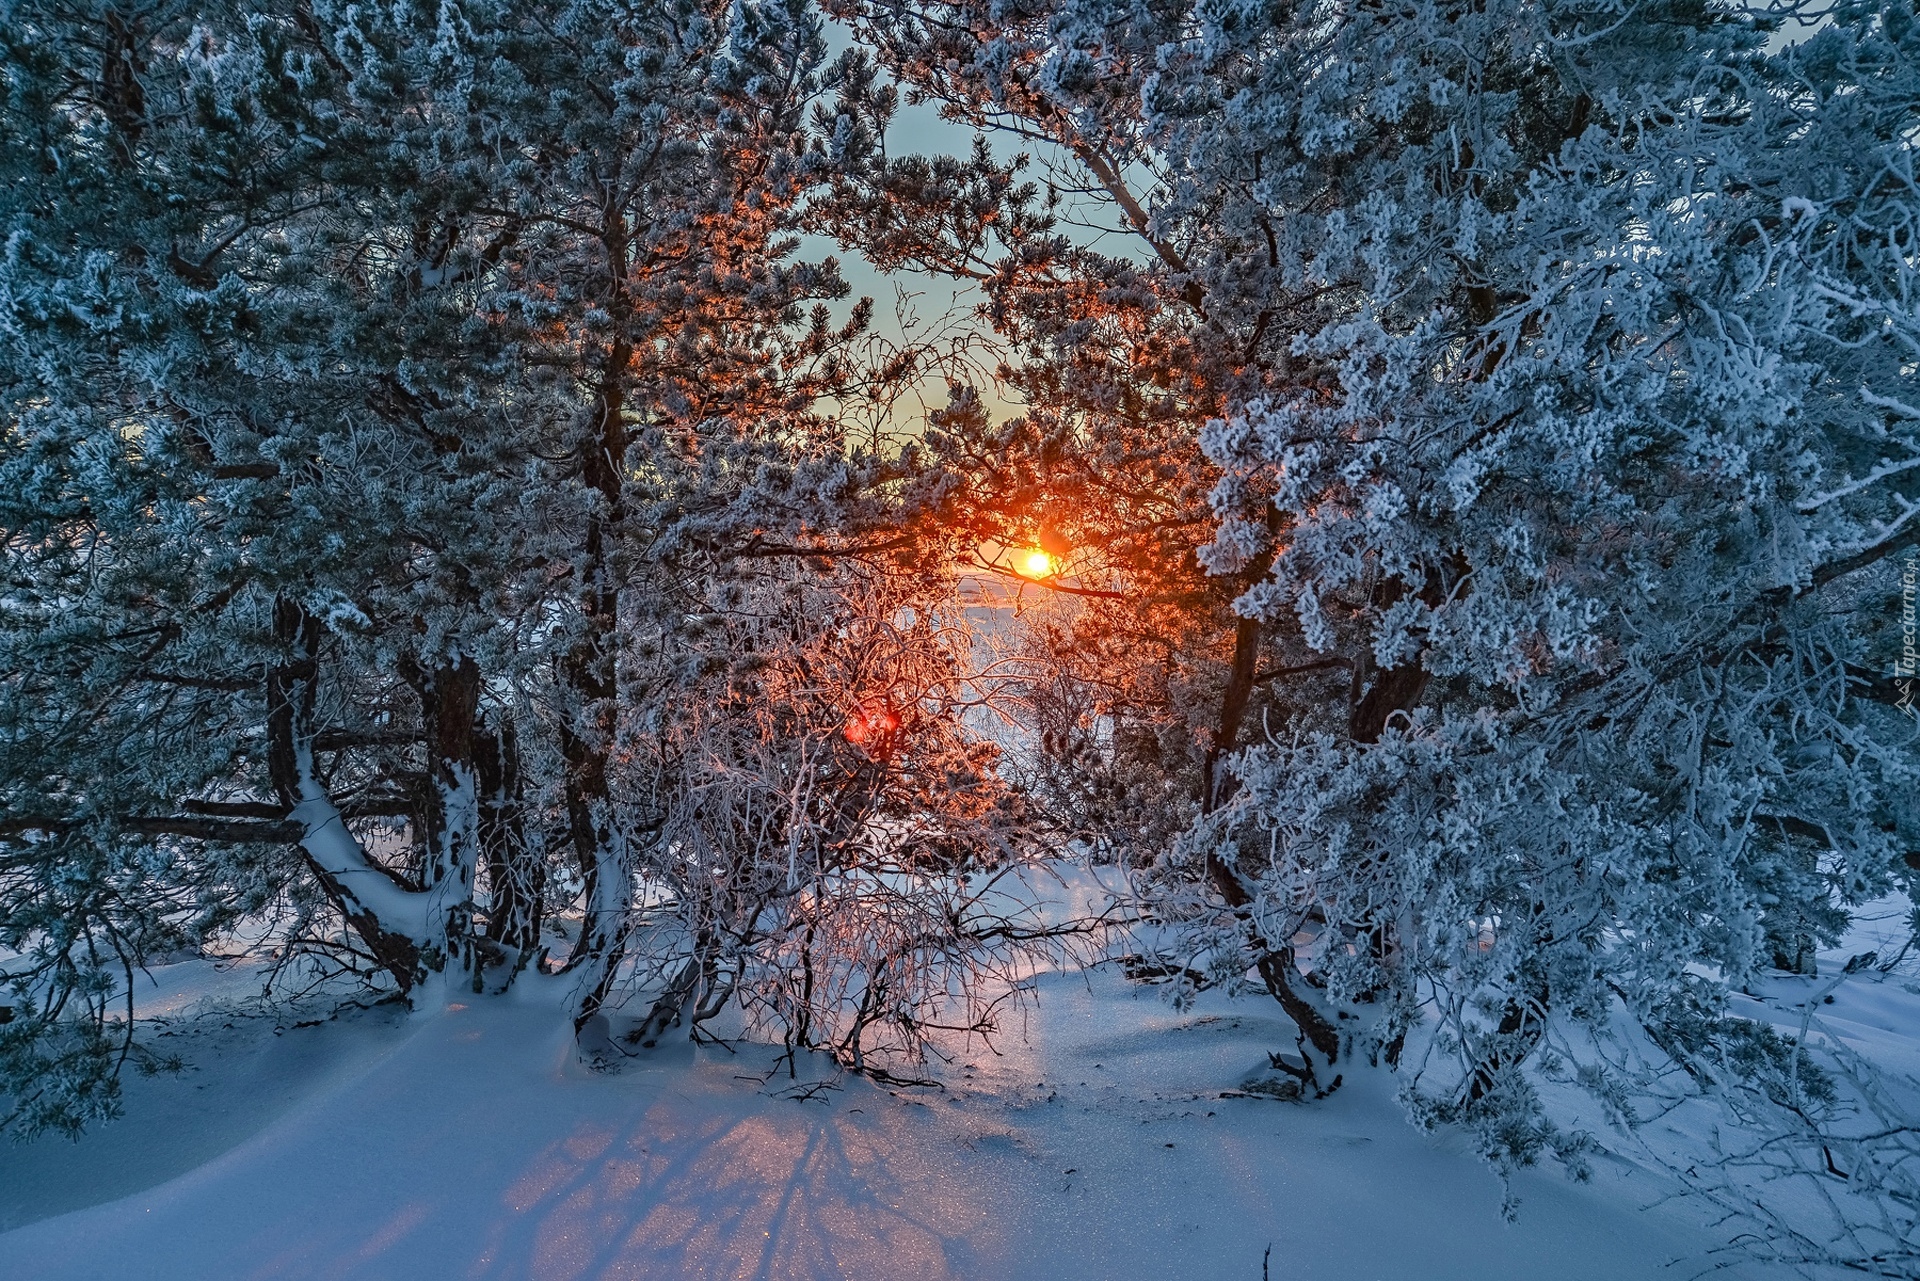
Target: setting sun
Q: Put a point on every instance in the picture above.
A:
(1036, 564)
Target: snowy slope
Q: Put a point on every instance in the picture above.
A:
(469, 1144)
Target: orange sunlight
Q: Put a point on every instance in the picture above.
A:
(1035, 563)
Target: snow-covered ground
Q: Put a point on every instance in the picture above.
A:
(468, 1143)
(1093, 1144)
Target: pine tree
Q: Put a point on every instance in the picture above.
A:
(1550, 367)
(399, 404)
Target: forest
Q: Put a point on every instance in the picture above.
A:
(773, 525)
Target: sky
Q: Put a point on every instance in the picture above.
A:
(917, 303)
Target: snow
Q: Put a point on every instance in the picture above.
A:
(335, 849)
(469, 1142)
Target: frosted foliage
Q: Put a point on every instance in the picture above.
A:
(1610, 436)
(1554, 364)
(396, 403)
(1479, 467)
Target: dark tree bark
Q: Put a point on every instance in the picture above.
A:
(589, 670)
(292, 693)
(449, 695)
(515, 876)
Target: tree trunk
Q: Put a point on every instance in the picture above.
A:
(1275, 963)
(449, 710)
(586, 738)
(384, 911)
(1219, 787)
(1523, 1021)
(516, 875)
(1396, 689)
(1522, 1025)
(1276, 966)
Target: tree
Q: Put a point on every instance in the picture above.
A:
(1603, 542)
(396, 403)
(1549, 371)
(1116, 357)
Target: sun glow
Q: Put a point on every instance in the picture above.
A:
(1035, 563)
(872, 727)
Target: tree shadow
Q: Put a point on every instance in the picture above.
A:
(782, 1192)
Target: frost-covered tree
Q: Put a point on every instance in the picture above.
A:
(1590, 499)
(1142, 676)
(837, 854)
(1565, 356)
(398, 404)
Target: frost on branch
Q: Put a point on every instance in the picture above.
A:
(1533, 379)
